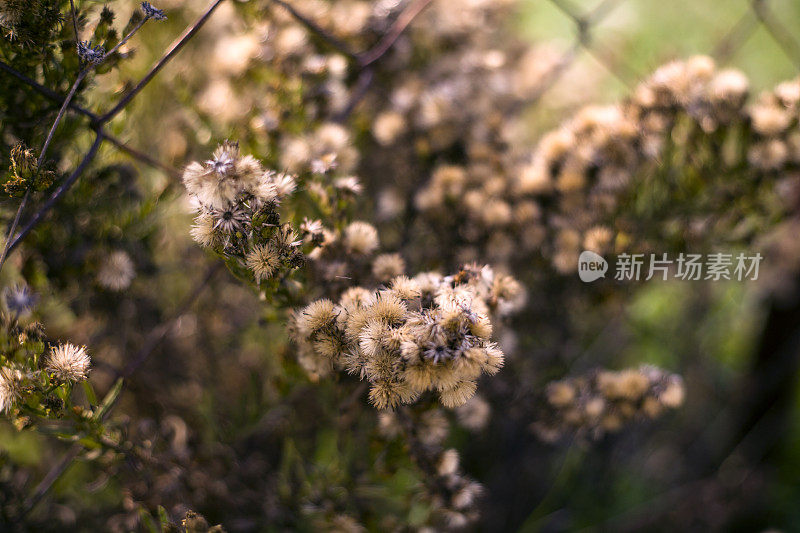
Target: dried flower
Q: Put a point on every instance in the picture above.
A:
(361, 238)
(19, 300)
(116, 271)
(90, 54)
(9, 388)
(263, 261)
(68, 362)
(153, 13)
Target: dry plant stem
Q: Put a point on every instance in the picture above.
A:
(60, 115)
(50, 134)
(140, 156)
(49, 480)
(417, 450)
(403, 20)
(314, 28)
(57, 194)
(42, 154)
(44, 91)
(74, 19)
(171, 52)
(52, 95)
(158, 334)
(363, 83)
(735, 39)
(97, 122)
(125, 39)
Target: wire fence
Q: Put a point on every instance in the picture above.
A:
(582, 41)
(585, 41)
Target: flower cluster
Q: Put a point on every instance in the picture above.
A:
(237, 202)
(153, 12)
(428, 332)
(615, 177)
(603, 401)
(91, 54)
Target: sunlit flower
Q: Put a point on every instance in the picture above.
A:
(68, 362)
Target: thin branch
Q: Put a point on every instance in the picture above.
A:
(13, 227)
(55, 97)
(57, 194)
(60, 115)
(317, 30)
(735, 38)
(171, 52)
(126, 38)
(362, 85)
(74, 20)
(42, 154)
(44, 91)
(139, 155)
(400, 24)
(158, 334)
(49, 480)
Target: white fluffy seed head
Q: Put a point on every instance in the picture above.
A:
(361, 238)
(68, 362)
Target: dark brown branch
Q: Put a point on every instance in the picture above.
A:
(317, 30)
(779, 32)
(176, 47)
(158, 334)
(400, 24)
(735, 38)
(151, 343)
(49, 480)
(140, 156)
(44, 91)
(55, 97)
(57, 194)
(363, 83)
(74, 21)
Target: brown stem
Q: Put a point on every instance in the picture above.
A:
(316, 29)
(57, 194)
(176, 46)
(403, 20)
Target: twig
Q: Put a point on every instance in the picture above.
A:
(171, 52)
(400, 24)
(735, 38)
(57, 194)
(55, 97)
(42, 154)
(74, 20)
(60, 115)
(362, 85)
(779, 32)
(160, 332)
(317, 30)
(44, 91)
(126, 38)
(139, 155)
(49, 480)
